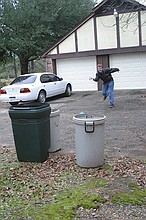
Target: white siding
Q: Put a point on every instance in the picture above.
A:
(129, 31)
(77, 71)
(106, 32)
(143, 27)
(54, 51)
(132, 73)
(85, 35)
(68, 45)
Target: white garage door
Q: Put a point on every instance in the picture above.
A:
(132, 73)
(77, 71)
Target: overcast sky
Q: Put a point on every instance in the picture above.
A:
(142, 1)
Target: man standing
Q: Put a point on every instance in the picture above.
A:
(108, 82)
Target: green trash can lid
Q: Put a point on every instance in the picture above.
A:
(29, 106)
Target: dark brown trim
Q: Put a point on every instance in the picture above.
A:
(99, 5)
(111, 5)
(76, 41)
(58, 49)
(139, 26)
(95, 33)
(118, 32)
(99, 52)
(122, 12)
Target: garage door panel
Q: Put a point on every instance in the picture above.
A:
(132, 73)
(77, 71)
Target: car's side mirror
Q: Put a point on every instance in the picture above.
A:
(61, 79)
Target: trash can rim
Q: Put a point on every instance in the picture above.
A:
(81, 119)
(54, 112)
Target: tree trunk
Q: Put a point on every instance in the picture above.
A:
(32, 66)
(15, 68)
(24, 65)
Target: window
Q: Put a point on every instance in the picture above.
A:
(54, 77)
(45, 78)
(49, 78)
(24, 80)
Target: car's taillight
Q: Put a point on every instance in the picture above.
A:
(24, 90)
(3, 91)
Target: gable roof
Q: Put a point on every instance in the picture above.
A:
(118, 3)
(104, 7)
(107, 5)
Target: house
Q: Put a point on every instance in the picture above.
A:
(114, 34)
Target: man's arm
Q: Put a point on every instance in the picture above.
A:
(112, 70)
(95, 79)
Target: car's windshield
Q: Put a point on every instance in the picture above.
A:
(24, 80)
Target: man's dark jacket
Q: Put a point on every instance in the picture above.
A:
(105, 75)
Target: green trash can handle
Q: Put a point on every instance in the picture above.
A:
(89, 123)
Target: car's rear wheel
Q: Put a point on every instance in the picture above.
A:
(14, 103)
(41, 97)
(68, 90)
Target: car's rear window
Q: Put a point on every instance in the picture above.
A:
(24, 80)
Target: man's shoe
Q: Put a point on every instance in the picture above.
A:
(112, 105)
(104, 98)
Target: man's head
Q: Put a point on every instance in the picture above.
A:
(99, 67)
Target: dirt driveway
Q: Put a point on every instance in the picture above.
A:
(125, 130)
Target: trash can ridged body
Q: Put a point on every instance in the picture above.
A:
(55, 144)
(89, 140)
(31, 131)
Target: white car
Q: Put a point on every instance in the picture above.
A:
(34, 87)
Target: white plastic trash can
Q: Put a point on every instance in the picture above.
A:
(89, 139)
(55, 143)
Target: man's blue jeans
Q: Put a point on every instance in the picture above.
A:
(108, 90)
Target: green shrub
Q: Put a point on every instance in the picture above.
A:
(2, 83)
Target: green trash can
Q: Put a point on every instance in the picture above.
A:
(31, 131)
